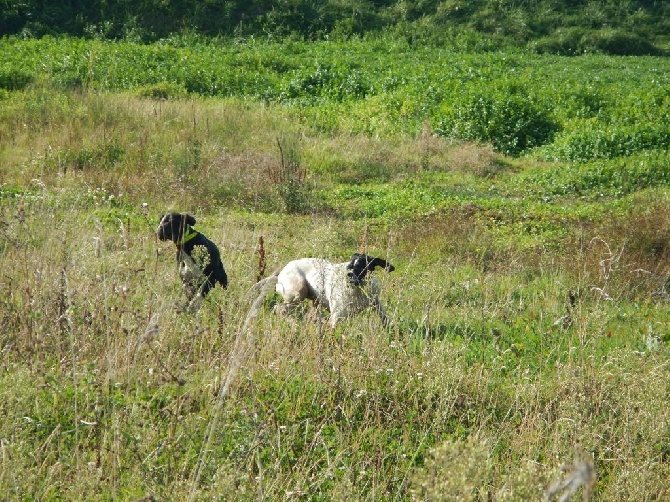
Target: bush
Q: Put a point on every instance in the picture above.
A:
(162, 91)
(14, 79)
(616, 177)
(288, 178)
(510, 123)
(566, 42)
(326, 83)
(620, 43)
(578, 40)
(589, 142)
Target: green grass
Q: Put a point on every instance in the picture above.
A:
(529, 304)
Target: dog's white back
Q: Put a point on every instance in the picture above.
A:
(328, 284)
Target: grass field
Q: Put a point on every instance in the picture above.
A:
(530, 305)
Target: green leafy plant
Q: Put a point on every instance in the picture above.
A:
(588, 142)
(509, 122)
(163, 90)
(15, 79)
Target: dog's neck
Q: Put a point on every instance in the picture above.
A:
(188, 235)
(357, 280)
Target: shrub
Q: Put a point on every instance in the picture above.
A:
(566, 42)
(14, 79)
(162, 91)
(578, 40)
(99, 157)
(589, 142)
(510, 123)
(620, 43)
(326, 82)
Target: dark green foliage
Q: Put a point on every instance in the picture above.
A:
(590, 142)
(13, 79)
(617, 177)
(580, 40)
(325, 83)
(104, 157)
(620, 42)
(511, 123)
(288, 178)
(629, 27)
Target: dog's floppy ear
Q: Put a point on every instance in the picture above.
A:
(190, 219)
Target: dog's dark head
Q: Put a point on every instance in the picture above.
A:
(171, 226)
(360, 264)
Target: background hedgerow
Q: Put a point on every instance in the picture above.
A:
(631, 27)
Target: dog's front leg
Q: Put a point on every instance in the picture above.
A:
(376, 304)
(334, 318)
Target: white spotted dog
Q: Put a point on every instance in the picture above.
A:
(199, 259)
(339, 287)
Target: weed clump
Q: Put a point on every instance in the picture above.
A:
(289, 177)
(162, 91)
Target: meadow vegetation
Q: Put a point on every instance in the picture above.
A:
(523, 199)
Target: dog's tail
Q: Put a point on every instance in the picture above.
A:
(263, 286)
